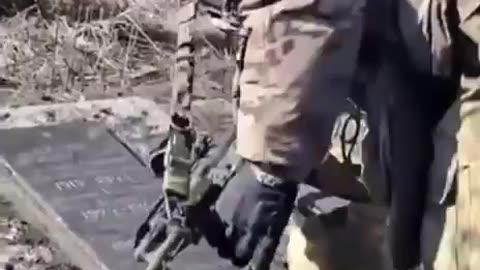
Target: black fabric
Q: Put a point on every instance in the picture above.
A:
(416, 110)
(415, 102)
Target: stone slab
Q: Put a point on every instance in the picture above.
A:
(83, 214)
(140, 121)
(89, 192)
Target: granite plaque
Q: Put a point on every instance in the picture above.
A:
(91, 192)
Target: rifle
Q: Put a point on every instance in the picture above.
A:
(193, 176)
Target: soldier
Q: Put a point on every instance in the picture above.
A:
(299, 67)
(451, 223)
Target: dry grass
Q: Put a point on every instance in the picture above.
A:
(67, 61)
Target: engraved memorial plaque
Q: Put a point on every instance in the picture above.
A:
(92, 192)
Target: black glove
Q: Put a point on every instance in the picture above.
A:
(261, 206)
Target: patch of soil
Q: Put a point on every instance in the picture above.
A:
(45, 62)
(22, 247)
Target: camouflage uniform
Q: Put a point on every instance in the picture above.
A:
(457, 221)
(468, 137)
(451, 225)
(299, 63)
(302, 55)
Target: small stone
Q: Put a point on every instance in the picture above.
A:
(51, 116)
(43, 254)
(107, 111)
(9, 266)
(17, 230)
(47, 98)
(5, 116)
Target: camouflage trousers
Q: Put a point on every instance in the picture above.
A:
(468, 188)
(299, 63)
(453, 227)
(468, 136)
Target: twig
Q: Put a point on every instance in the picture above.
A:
(140, 30)
(55, 55)
(131, 43)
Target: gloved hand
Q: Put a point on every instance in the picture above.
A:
(261, 204)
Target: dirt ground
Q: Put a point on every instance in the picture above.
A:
(54, 62)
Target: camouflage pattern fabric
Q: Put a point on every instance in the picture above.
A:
(452, 222)
(468, 136)
(299, 65)
(468, 196)
(298, 68)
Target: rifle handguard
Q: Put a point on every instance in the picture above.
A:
(179, 159)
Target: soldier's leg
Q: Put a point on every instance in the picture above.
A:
(439, 221)
(298, 69)
(439, 237)
(468, 196)
(468, 136)
(468, 187)
(451, 225)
